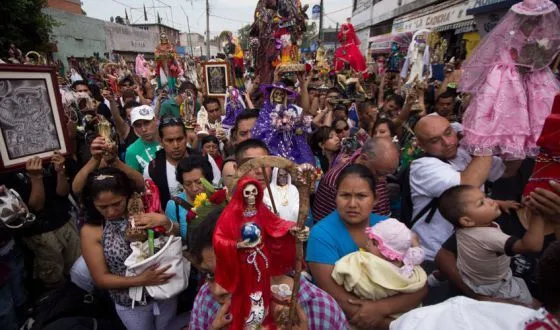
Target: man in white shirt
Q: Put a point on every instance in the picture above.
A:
(446, 166)
(162, 168)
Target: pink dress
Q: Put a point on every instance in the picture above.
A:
(512, 85)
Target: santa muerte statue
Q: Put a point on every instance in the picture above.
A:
(233, 51)
(277, 30)
(252, 245)
(348, 52)
(234, 106)
(283, 126)
(167, 69)
(547, 163)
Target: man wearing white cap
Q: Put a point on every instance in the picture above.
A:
(142, 152)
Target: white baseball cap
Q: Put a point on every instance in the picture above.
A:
(143, 112)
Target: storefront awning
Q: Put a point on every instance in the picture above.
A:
(382, 43)
(434, 17)
(485, 6)
(461, 27)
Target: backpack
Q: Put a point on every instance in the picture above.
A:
(407, 207)
(69, 301)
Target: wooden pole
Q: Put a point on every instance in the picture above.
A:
(304, 189)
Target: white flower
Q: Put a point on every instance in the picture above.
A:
(543, 43)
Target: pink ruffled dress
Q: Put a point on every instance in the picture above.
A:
(512, 85)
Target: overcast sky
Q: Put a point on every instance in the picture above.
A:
(225, 14)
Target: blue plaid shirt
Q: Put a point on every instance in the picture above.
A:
(321, 309)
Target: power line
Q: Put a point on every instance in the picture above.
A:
(229, 19)
(338, 10)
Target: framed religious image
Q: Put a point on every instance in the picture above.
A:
(217, 78)
(32, 120)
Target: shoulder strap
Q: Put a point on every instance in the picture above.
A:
(431, 207)
(180, 202)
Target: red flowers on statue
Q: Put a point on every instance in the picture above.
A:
(191, 215)
(218, 197)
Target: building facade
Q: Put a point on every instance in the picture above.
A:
(76, 35)
(382, 23)
(127, 41)
(82, 37)
(69, 6)
(172, 34)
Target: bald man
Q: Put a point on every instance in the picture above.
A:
(446, 165)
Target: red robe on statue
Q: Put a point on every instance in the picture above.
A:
(348, 52)
(547, 164)
(246, 273)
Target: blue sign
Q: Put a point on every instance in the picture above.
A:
(316, 12)
(181, 50)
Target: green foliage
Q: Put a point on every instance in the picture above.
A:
(309, 34)
(243, 36)
(24, 24)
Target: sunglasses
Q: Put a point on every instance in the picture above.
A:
(340, 130)
(169, 121)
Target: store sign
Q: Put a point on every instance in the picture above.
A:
(445, 16)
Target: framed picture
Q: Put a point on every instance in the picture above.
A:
(217, 78)
(32, 120)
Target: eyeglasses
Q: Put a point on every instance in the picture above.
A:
(340, 130)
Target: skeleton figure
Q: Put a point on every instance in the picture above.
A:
(244, 266)
(250, 195)
(257, 313)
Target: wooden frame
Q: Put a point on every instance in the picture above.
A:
(217, 78)
(32, 120)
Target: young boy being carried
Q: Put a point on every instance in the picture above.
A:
(484, 251)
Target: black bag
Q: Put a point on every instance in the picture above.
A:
(407, 207)
(70, 301)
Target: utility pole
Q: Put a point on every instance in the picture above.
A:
(207, 29)
(336, 39)
(189, 29)
(321, 22)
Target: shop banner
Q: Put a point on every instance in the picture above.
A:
(443, 14)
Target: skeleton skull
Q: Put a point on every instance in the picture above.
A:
(250, 194)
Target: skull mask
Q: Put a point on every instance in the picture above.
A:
(250, 194)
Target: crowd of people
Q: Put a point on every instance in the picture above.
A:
(149, 223)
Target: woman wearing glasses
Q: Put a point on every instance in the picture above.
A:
(191, 172)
